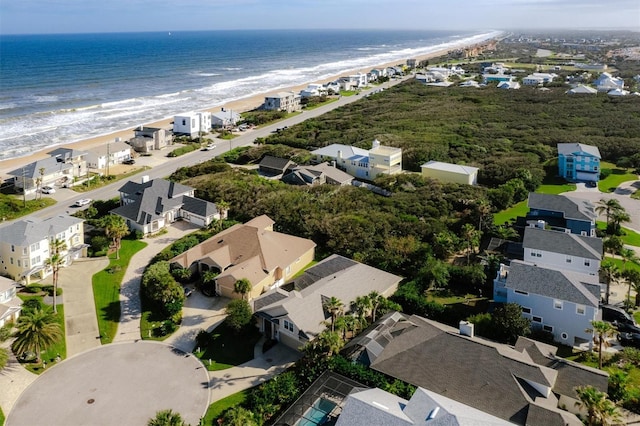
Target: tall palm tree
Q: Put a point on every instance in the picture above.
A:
(618, 217)
(376, 299)
(628, 256)
(115, 227)
(607, 207)
(505, 232)
(600, 410)
(633, 280)
(55, 262)
(40, 179)
(335, 307)
(609, 271)
(613, 244)
(242, 286)
(166, 418)
(603, 330)
(37, 331)
(361, 306)
(470, 235)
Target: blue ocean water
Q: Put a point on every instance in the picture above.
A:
(56, 89)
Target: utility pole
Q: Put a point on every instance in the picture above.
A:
(24, 189)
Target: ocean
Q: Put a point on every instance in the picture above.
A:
(57, 89)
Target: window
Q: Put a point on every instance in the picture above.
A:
(557, 304)
(288, 325)
(547, 328)
(11, 260)
(587, 262)
(580, 309)
(524, 293)
(25, 250)
(35, 260)
(35, 246)
(568, 259)
(19, 262)
(536, 319)
(536, 253)
(184, 122)
(288, 270)
(13, 248)
(564, 336)
(526, 310)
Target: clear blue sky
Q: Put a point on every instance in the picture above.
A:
(78, 16)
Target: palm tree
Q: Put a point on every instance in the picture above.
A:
(335, 307)
(4, 358)
(115, 227)
(505, 232)
(600, 410)
(208, 281)
(37, 331)
(40, 180)
(470, 235)
(618, 217)
(483, 208)
(608, 207)
(329, 342)
(633, 279)
(242, 286)
(239, 416)
(166, 418)
(609, 271)
(223, 207)
(55, 262)
(361, 306)
(375, 298)
(628, 255)
(603, 330)
(613, 244)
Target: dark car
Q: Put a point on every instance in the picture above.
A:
(129, 161)
(619, 318)
(629, 339)
(591, 184)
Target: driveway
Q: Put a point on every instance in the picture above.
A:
(79, 308)
(129, 326)
(14, 379)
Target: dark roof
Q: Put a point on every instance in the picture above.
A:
(564, 285)
(161, 187)
(198, 207)
(491, 377)
(563, 243)
(275, 163)
(321, 270)
(32, 170)
(572, 209)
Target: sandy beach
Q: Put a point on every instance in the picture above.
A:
(241, 105)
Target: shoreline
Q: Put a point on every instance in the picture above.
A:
(239, 105)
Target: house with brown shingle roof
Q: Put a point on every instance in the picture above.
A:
(253, 251)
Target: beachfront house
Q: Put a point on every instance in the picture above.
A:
(253, 251)
(152, 205)
(559, 211)
(313, 90)
(524, 384)
(25, 245)
(557, 301)
(10, 303)
(295, 313)
(579, 162)
(448, 172)
(225, 118)
(561, 250)
(108, 154)
(362, 163)
(48, 170)
(282, 101)
(150, 138)
(192, 124)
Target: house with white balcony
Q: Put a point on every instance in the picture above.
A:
(25, 246)
(579, 162)
(224, 118)
(192, 124)
(282, 101)
(313, 90)
(557, 301)
(108, 154)
(10, 303)
(362, 163)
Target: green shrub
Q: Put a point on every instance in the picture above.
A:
(49, 290)
(33, 288)
(605, 173)
(100, 243)
(203, 339)
(183, 150)
(32, 305)
(138, 234)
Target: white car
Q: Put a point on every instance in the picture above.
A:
(210, 147)
(48, 190)
(82, 202)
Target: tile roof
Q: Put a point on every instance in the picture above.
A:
(472, 371)
(562, 243)
(574, 287)
(572, 209)
(572, 148)
(28, 231)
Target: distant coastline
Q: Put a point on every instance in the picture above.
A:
(14, 159)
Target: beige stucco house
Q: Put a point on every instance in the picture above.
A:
(448, 172)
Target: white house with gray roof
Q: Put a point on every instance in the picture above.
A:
(362, 163)
(294, 313)
(53, 172)
(558, 301)
(151, 205)
(562, 250)
(449, 172)
(24, 245)
(10, 303)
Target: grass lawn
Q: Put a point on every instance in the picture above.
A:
(617, 176)
(318, 105)
(106, 289)
(618, 263)
(450, 300)
(630, 237)
(12, 206)
(217, 408)
(228, 348)
(150, 321)
(98, 181)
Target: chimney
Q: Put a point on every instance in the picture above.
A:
(466, 328)
(375, 144)
(541, 224)
(145, 179)
(339, 154)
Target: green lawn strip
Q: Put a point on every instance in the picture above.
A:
(99, 181)
(519, 209)
(216, 409)
(106, 289)
(636, 195)
(617, 176)
(12, 206)
(556, 189)
(228, 348)
(450, 300)
(631, 238)
(619, 264)
(2, 417)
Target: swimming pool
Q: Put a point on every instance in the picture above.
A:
(317, 414)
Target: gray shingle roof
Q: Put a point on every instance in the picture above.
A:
(563, 243)
(199, 207)
(67, 154)
(570, 148)
(572, 209)
(32, 170)
(28, 231)
(574, 287)
(275, 163)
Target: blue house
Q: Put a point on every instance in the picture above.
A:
(579, 162)
(558, 211)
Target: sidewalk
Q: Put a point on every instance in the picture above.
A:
(14, 379)
(129, 326)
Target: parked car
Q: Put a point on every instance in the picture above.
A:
(591, 184)
(82, 202)
(629, 339)
(48, 190)
(619, 318)
(209, 147)
(129, 161)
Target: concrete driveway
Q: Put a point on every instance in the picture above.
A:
(117, 384)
